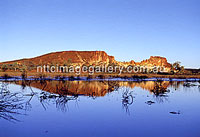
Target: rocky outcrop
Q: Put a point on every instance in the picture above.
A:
(70, 57)
(155, 61)
(158, 62)
(88, 58)
(150, 63)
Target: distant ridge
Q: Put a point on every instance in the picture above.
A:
(86, 58)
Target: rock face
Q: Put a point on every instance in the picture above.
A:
(155, 61)
(149, 63)
(88, 58)
(70, 57)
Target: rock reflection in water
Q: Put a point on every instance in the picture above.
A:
(97, 88)
(61, 92)
(73, 88)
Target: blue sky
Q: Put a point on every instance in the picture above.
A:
(126, 29)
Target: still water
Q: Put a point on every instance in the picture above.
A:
(99, 109)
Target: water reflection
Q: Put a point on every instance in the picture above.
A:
(104, 108)
(61, 92)
(96, 88)
(10, 103)
(73, 88)
(60, 100)
(127, 99)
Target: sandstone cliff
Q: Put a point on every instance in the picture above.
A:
(69, 57)
(87, 58)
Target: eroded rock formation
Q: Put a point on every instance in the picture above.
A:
(87, 58)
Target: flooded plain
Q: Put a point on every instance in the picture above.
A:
(99, 108)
